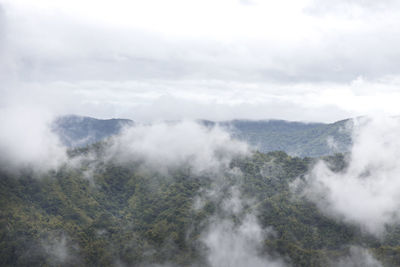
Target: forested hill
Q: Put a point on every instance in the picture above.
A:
(295, 138)
(79, 131)
(129, 215)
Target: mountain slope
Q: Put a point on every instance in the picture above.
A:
(77, 131)
(133, 216)
(295, 138)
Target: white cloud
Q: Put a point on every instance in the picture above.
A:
(236, 246)
(27, 141)
(367, 192)
(163, 146)
(239, 243)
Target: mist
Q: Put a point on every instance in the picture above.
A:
(26, 140)
(60, 249)
(366, 193)
(235, 242)
(169, 145)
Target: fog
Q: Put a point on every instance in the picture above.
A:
(168, 145)
(26, 140)
(366, 193)
(233, 244)
(60, 249)
(236, 246)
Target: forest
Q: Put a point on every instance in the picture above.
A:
(101, 213)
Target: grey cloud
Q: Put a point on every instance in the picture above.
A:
(57, 48)
(72, 66)
(341, 58)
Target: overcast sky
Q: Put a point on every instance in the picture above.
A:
(310, 60)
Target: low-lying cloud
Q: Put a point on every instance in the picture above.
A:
(234, 244)
(59, 249)
(165, 145)
(366, 193)
(26, 140)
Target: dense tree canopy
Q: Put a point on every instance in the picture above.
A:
(107, 214)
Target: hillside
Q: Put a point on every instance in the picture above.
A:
(104, 213)
(295, 138)
(78, 131)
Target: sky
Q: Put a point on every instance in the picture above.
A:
(154, 60)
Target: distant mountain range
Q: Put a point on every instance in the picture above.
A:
(78, 131)
(295, 138)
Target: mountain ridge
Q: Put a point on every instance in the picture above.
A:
(312, 139)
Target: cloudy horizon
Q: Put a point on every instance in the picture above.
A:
(305, 60)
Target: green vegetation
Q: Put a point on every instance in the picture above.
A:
(112, 214)
(296, 138)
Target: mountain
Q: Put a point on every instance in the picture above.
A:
(117, 205)
(132, 215)
(295, 138)
(78, 131)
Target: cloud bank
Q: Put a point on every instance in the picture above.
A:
(26, 140)
(167, 145)
(366, 193)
